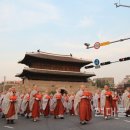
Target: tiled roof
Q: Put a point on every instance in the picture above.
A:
(54, 72)
(54, 57)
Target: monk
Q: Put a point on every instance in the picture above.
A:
(82, 105)
(71, 104)
(115, 100)
(25, 107)
(20, 100)
(10, 106)
(97, 101)
(2, 96)
(126, 100)
(106, 101)
(51, 104)
(66, 102)
(58, 105)
(46, 103)
(35, 103)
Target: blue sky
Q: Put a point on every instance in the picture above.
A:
(62, 26)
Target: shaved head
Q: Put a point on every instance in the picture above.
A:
(82, 87)
(98, 91)
(10, 89)
(128, 89)
(46, 91)
(35, 87)
(106, 87)
(58, 90)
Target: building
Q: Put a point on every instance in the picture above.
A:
(104, 81)
(53, 70)
(126, 79)
(8, 84)
(121, 86)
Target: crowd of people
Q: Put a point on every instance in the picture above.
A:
(33, 103)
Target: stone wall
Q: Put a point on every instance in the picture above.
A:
(53, 85)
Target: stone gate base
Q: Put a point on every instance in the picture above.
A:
(53, 85)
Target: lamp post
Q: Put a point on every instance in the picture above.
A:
(4, 83)
(121, 5)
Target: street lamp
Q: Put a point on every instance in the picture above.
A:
(4, 83)
(121, 5)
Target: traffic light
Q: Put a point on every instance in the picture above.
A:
(124, 59)
(88, 67)
(105, 63)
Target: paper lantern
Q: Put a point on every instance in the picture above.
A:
(58, 96)
(13, 98)
(86, 93)
(108, 93)
(129, 96)
(48, 97)
(39, 96)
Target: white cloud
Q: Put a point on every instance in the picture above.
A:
(86, 22)
(25, 14)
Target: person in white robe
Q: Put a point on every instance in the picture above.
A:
(126, 100)
(10, 107)
(46, 103)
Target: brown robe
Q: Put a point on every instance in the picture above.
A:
(11, 110)
(114, 104)
(46, 112)
(85, 111)
(59, 109)
(108, 106)
(36, 109)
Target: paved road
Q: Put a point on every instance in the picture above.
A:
(69, 123)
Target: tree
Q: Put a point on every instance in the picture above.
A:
(128, 81)
(101, 83)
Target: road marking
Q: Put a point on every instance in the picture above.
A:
(121, 116)
(9, 127)
(126, 120)
(116, 118)
(98, 115)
